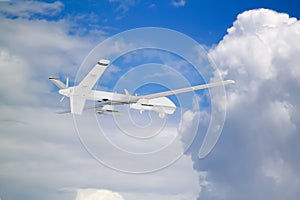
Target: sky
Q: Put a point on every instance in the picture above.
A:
(48, 156)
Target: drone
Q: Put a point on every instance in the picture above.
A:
(157, 102)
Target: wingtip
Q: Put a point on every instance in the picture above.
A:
(103, 62)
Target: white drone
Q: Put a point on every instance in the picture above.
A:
(157, 102)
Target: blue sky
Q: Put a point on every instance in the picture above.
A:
(205, 21)
(47, 156)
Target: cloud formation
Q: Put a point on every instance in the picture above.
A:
(178, 3)
(123, 6)
(94, 194)
(257, 156)
(39, 149)
(26, 9)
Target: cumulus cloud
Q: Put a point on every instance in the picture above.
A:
(123, 6)
(26, 9)
(19, 65)
(94, 194)
(31, 50)
(257, 156)
(178, 3)
(39, 149)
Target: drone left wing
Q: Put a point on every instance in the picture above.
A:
(92, 77)
(77, 100)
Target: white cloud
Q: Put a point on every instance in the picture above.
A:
(257, 46)
(40, 149)
(178, 3)
(94, 194)
(276, 170)
(260, 52)
(123, 5)
(32, 50)
(11, 66)
(260, 59)
(151, 196)
(28, 8)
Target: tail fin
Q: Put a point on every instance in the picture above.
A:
(77, 104)
(58, 83)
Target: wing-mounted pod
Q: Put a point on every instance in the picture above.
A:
(108, 109)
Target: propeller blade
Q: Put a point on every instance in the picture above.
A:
(67, 82)
(62, 98)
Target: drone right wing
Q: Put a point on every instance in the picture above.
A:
(183, 90)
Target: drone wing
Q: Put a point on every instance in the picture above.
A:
(78, 101)
(183, 90)
(92, 77)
